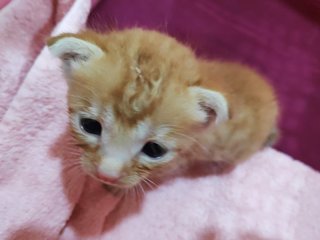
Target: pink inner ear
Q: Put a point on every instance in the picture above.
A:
(211, 114)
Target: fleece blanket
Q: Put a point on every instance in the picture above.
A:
(45, 195)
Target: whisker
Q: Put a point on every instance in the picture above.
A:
(92, 176)
(73, 149)
(129, 192)
(142, 190)
(75, 167)
(193, 140)
(177, 130)
(150, 182)
(80, 97)
(175, 127)
(136, 194)
(73, 164)
(73, 154)
(85, 87)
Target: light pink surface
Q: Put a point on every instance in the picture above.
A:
(24, 25)
(3, 3)
(269, 197)
(42, 196)
(32, 100)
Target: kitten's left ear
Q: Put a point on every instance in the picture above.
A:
(73, 51)
(213, 103)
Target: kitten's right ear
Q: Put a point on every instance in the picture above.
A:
(73, 51)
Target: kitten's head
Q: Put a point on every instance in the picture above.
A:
(135, 102)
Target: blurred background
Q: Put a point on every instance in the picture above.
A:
(279, 38)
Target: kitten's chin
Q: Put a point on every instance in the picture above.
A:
(115, 184)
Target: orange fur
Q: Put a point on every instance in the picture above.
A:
(253, 109)
(146, 76)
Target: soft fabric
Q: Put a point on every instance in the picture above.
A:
(44, 195)
(3, 3)
(24, 25)
(33, 202)
(269, 197)
(280, 38)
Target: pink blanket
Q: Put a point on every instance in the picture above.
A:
(44, 196)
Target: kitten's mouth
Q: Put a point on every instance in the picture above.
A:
(103, 179)
(114, 182)
(110, 183)
(107, 180)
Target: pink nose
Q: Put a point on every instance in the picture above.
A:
(105, 178)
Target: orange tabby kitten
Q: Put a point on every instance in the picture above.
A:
(142, 103)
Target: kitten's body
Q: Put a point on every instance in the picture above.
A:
(252, 107)
(142, 86)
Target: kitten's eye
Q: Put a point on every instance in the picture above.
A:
(91, 126)
(154, 150)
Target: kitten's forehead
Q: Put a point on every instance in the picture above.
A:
(138, 131)
(142, 129)
(137, 72)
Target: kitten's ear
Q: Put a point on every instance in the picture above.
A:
(213, 103)
(73, 51)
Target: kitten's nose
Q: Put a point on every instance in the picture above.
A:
(106, 178)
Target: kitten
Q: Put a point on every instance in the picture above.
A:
(142, 104)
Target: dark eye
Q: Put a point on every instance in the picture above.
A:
(91, 126)
(154, 150)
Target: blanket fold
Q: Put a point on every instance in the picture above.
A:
(45, 195)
